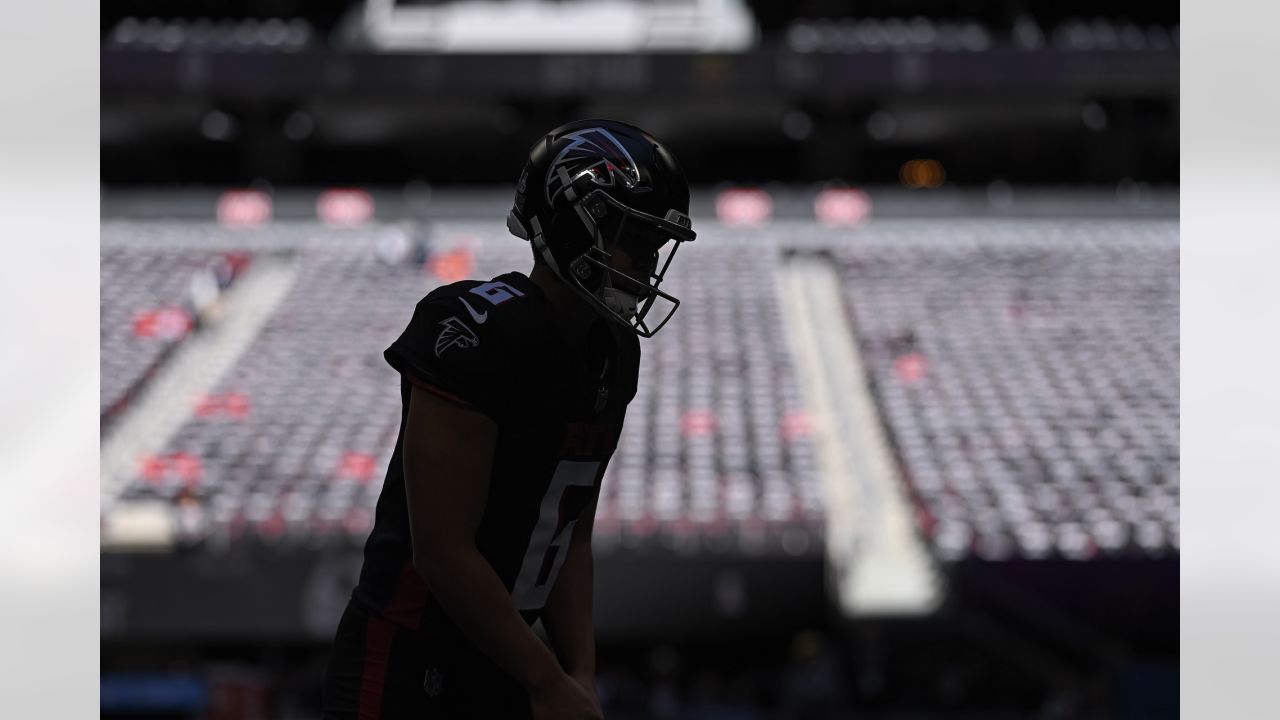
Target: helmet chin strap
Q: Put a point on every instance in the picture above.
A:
(615, 300)
(536, 237)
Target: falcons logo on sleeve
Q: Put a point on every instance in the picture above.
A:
(454, 332)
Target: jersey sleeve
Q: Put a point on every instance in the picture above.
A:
(447, 352)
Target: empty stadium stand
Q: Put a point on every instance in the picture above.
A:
(150, 299)
(1025, 372)
(291, 444)
(1029, 381)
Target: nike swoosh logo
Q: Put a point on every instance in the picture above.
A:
(478, 317)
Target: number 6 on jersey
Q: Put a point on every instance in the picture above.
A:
(567, 494)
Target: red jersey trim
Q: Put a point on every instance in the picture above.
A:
(379, 635)
(439, 391)
(408, 599)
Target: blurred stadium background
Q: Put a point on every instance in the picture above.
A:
(909, 449)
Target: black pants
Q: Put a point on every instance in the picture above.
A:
(380, 671)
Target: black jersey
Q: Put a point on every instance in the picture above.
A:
(559, 411)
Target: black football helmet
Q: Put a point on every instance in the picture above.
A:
(593, 187)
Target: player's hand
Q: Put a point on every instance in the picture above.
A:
(565, 699)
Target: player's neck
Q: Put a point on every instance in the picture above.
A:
(572, 315)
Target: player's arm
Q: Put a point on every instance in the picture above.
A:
(448, 453)
(567, 614)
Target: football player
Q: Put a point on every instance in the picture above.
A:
(514, 391)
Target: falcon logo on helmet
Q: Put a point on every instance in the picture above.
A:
(593, 152)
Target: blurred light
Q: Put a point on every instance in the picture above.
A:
(802, 37)
(126, 31)
(921, 31)
(796, 424)
(948, 36)
(187, 466)
(243, 208)
(201, 32)
(1035, 540)
(165, 323)
(451, 266)
(297, 33)
(922, 174)
(152, 468)
(417, 194)
(246, 33)
(1094, 117)
(149, 33)
(233, 404)
(871, 35)
(357, 466)
(299, 126)
(910, 367)
(236, 263)
(1074, 542)
(974, 37)
(394, 246)
(797, 125)
(358, 521)
(846, 36)
(224, 33)
(993, 546)
(344, 206)
(842, 206)
(273, 32)
(1130, 191)
(1158, 37)
(573, 26)
(1073, 35)
(1111, 535)
(895, 32)
(217, 126)
(744, 207)
(1104, 34)
(1132, 37)
(1000, 193)
(698, 422)
(825, 34)
(171, 36)
(881, 125)
(794, 541)
(1027, 33)
(208, 404)
(236, 404)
